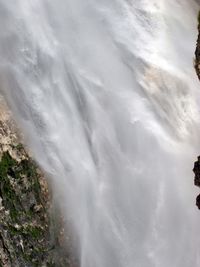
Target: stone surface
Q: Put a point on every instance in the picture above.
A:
(196, 171)
(28, 238)
(196, 168)
(24, 220)
(197, 51)
(198, 201)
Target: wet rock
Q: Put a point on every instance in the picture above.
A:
(196, 168)
(24, 233)
(196, 171)
(197, 51)
(27, 238)
(198, 201)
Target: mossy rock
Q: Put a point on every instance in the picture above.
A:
(25, 232)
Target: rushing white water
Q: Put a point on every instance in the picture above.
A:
(108, 101)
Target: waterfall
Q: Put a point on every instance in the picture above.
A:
(108, 101)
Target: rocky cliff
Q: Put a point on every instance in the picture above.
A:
(28, 237)
(24, 220)
(196, 168)
(197, 51)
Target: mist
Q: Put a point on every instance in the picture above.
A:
(108, 101)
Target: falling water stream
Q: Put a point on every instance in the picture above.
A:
(107, 98)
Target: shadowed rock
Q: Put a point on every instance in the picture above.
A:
(198, 201)
(196, 168)
(196, 171)
(197, 51)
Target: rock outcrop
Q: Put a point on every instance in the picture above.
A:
(196, 168)
(196, 171)
(197, 52)
(24, 201)
(28, 235)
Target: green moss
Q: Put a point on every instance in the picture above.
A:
(27, 257)
(51, 264)
(28, 168)
(31, 232)
(19, 146)
(6, 164)
(10, 167)
(10, 200)
(37, 189)
(14, 214)
(35, 232)
(19, 181)
(13, 231)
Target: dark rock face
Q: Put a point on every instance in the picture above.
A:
(196, 168)
(197, 51)
(196, 171)
(198, 201)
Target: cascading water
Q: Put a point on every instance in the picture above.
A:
(108, 101)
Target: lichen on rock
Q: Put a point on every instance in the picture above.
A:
(27, 238)
(24, 220)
